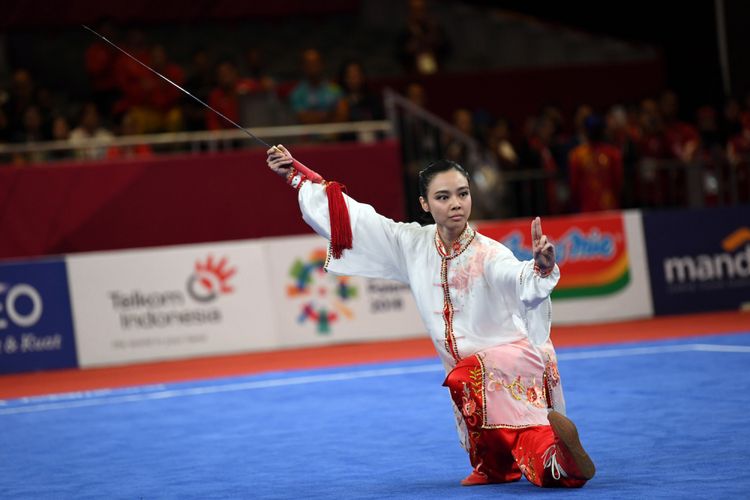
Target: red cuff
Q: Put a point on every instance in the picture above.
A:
(295, 179)
(543, 273)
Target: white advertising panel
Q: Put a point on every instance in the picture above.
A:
(315, 307)
(166, 303)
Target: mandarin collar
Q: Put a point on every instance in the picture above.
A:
(459, 244)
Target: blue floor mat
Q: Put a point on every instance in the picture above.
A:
(661, 420)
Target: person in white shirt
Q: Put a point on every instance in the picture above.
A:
(89, 131)
(488, 315)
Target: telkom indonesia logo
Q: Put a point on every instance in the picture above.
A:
(210, 279)
(325, 296)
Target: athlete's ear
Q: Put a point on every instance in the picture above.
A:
(425, 205)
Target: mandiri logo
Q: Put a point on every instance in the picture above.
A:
(210, 279)
(325, 296)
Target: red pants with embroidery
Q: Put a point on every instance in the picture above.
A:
(504, 454)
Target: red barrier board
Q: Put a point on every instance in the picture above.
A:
(170, 200)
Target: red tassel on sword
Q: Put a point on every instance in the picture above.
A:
(341, 226)
(338, 212)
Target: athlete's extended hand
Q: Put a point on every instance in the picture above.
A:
(279, 160)
(543, 250)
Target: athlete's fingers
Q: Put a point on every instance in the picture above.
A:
(536, 231)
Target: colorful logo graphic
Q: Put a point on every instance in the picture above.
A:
(210, 279)
(736, 239)
(323, 296)
(591, 251)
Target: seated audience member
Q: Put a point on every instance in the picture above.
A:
(133, 80)
(21, 95)
(423, 46)
(738, 152)
(100, 60)
(200, 82)
(158, 109)
(129, 127)
(359, 102)
(88, 129)
(32, 131)
(682, 138)
(596, 172)
(60, 132)
(498, 140)
(256, 70)
(464, 122)
(315, 99)
(225, 96)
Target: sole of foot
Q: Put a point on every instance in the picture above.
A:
(567, 432)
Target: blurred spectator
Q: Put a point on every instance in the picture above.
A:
(596, 171)
(21, 95)
(731, 123)
(157, 110)
(652, 142)
(560, 142)
(225, 96)
(32, 127)
(682, 138)
(738, 152)
(5, 131)
(32, 131)
(261, 106)
(200, 82)
(315, 99)
(358, 103)
(89, 128)
(582, 112)
(256, 70)
(707, 127)
(129, 127)
(60, 132)
(653, 148)
(538, 155)
(456, 150)
(100, 60)
(415, 93)
(422, 45)
(499, 143)
(620, 132)
(133, 80)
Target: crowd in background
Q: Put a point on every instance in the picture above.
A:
(591, 160)
(630, 155)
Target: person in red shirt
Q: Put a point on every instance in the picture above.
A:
(596, 171)
(225, 97)
(153, 103)
(541, 143)
(738, 152)
(682, 138)
(100, 60)
(129, 126)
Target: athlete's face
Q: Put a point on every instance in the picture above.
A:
(449, 201)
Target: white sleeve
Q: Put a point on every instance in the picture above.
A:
(530, 291)
(377, 242)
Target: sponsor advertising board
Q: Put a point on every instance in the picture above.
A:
(699, 260)
(165, 303)
(602, 263)
(315, 307)
(36, 327)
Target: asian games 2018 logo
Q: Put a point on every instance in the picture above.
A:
(210, 279)
(325, 296)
